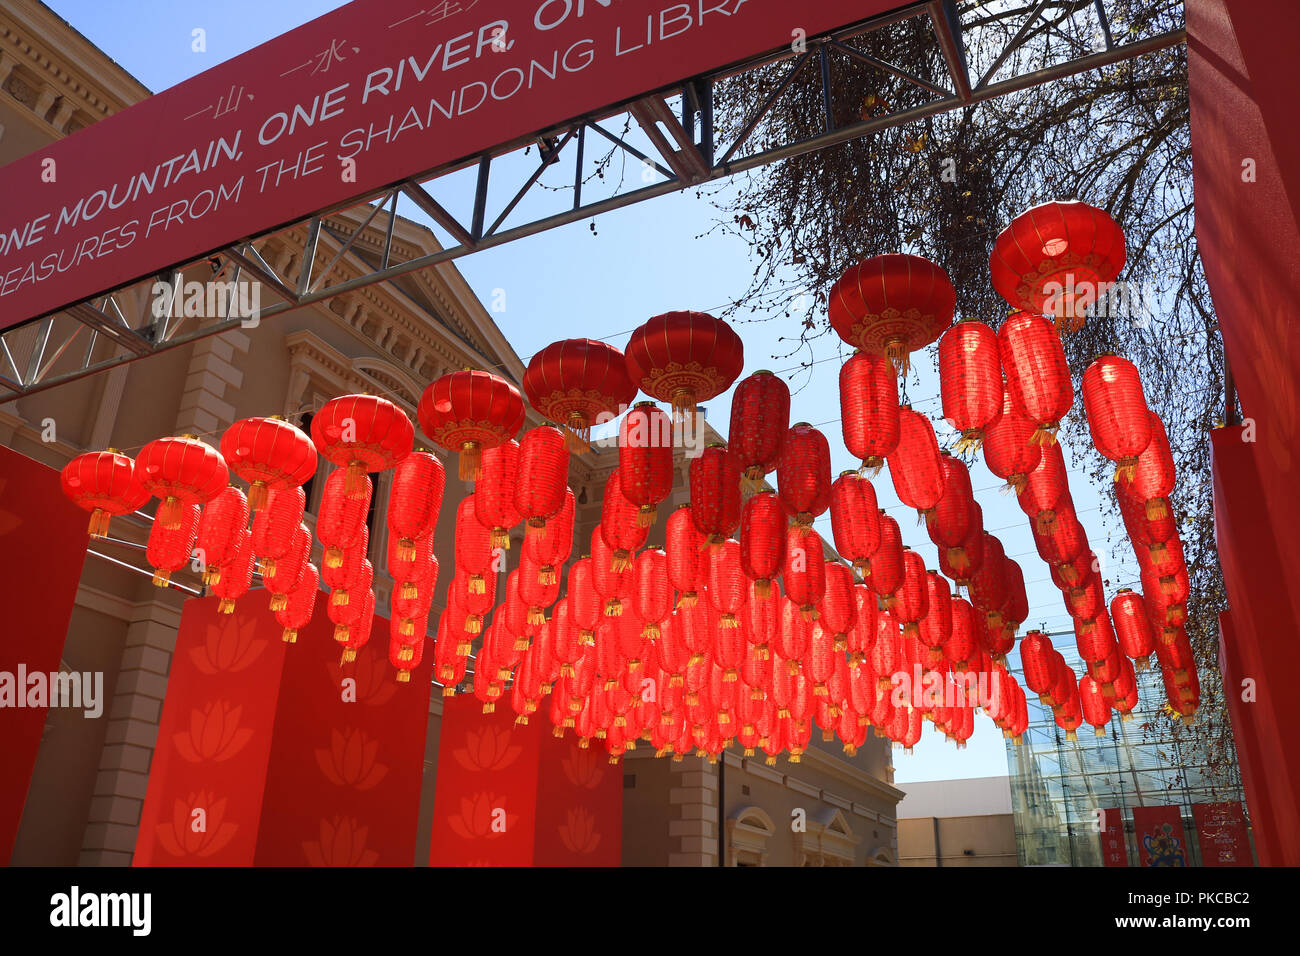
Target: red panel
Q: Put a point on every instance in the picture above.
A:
(1161, 840)
(1263, 651)
(44, 536)
(579, 805)
(347, 755)
(272, 127)
(485, 802)
(1221, 832)
(1114, 848)
(209, 767)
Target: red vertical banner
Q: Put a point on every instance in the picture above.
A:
(43, 538)
(1114, 848)
(579, 806)
(209, 768)
(1221, 833)
(485, 801)
(347, 755)
(1161, 840)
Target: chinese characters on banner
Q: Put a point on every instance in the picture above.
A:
(1161, 840)
(1221, 832)
(1114, 852)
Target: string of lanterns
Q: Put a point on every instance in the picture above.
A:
(739, 628)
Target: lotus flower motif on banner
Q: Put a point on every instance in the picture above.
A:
(477, 815)
(197, 834)
(214, 733)
(488, 749)
(584, 768)
(374, 686)
(342, 843)
(350, 760)
(578, 833)
(229, 647)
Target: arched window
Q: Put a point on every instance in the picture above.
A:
(748, 829)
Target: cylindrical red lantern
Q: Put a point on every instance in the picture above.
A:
(467, 412)
(855, 520)
(103, 483)
(804, 473)
(684, 358)
(763, 523)
(180, 471)
(645, 459)
(970, 380)
(169, 549)
(275, 526)
(415, 499)
(270, 454)
(1046, 490)
(341, 517)
(1038, 378)
(686, 558)
(804, 571)
(224, 519)
(1117, 412)
(1132, 626)
(726, 583)
(475, 556)
(869, 408)
(300, 604)
(892, 305)
(543, 476)
(550, 547)
(494, 492)
(620, 523)
(715, 493)
(236, 576)
(1153, 476)
(760, 415)
(887, 562)
(362, 433)
(289, 568)
(915, 466)
(951, 520)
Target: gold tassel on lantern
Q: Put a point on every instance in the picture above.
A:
(647, 515)
(334, 557)
(355, 486)
(279, 602)
(349, 655)
(161, 578)
(470, 465)
(289, 635)
(257, 495)
(403, 677)
(226, 606)
(477, 585)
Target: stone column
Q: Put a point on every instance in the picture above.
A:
(694, 824)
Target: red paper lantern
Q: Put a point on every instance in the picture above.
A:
(180, 471)
(103, 483)
(620, 523)
(1038, 377)
(715, 493)
(1056, 258)
(341, 517)
(892, 305)
(951, 521)
(415, 500)
(1117, 412)
(275, 526)
(970, 380)
(288, 571)
(299, 605)
(417, 575)
(1009, 449)
(352, 629)
(236, 576)
(269, 454)
(936, 622)
(804, 473)
(475, 555)
(726, 583)
(684, 358)
(1064, 541)
(224, 519)
(855, 520)
(763, 522)
(350, 573)
(467, 412)
(1153, 476)
(887, 562)
(494, 491)
(1093, 703)
(804, 571)
(1132, 626)
(915, 465)
(543, 476)
(869, 410)
(363, 434)
(911, 599)
(578, 383)
(1016, 607)
(550, 547)
(760, 415)
(169, 549)
(645, 459)
(685, 546)
(652, 591)
(1046, 490)
(963, 641)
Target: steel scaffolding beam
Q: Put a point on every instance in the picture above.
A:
(687, 148)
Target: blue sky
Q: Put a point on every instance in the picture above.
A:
(640, 261)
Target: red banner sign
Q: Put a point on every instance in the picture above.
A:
(1161, 840)
(1221, 833)
(41, 531)
(514, 795)
(1114, 848)
(364, 96)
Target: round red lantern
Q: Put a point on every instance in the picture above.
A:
(469, 411)
(103, 483)
(269, 454)
(1038, 377)
(645, 459)
(715, 493)
(1117, 412)
(684, 358)
(869, 410)
(804, 473)
(362, 433)
(763, 522)
(578, 383)
(415, 500)
(915, 466)
(1056, 258)
(180, 471)
(970, 380)
(892, 305)
(760, 415)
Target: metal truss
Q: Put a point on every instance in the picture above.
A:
(683, 150)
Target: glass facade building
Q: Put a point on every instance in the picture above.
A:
(1058, 785)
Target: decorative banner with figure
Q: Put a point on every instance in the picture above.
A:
(1161, 840)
